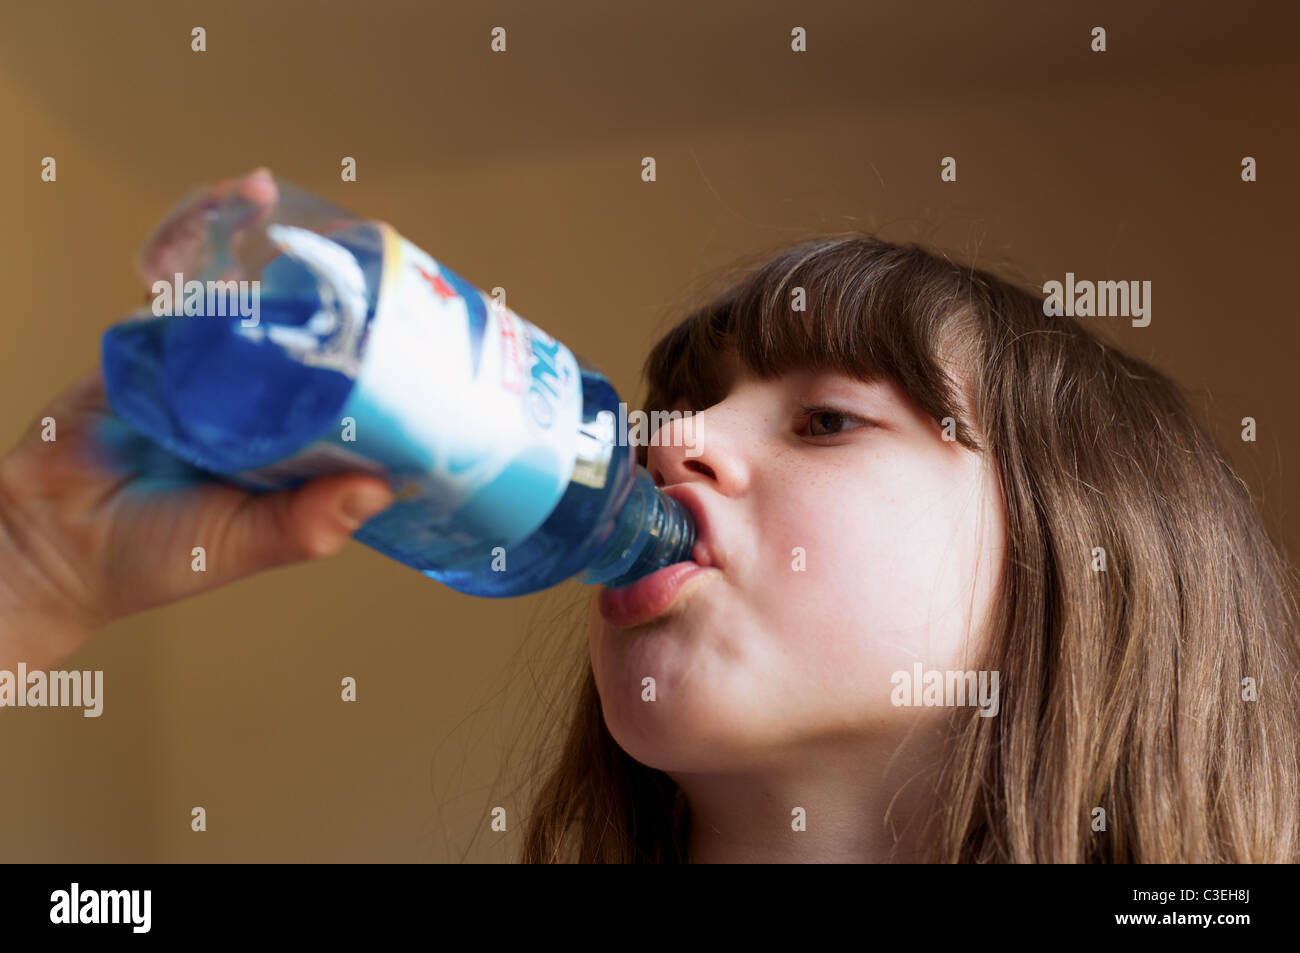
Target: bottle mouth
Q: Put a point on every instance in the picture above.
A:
(664, 534)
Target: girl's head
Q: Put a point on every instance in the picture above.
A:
(903, 467)
(854, 534)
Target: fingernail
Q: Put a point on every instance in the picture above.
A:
(361, 504)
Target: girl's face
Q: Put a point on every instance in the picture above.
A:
(849, 545)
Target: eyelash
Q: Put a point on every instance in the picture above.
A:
(812, 410)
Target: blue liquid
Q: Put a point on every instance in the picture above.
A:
(213, 397)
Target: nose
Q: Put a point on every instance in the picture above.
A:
(674, 469)
(679, 450)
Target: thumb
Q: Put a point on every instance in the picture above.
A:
(306, 522)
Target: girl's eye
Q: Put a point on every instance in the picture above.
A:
(829, 420)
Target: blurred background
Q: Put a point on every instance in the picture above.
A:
(523, 169)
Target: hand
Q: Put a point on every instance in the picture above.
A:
(100, 523)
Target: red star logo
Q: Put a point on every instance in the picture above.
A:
(440, 287)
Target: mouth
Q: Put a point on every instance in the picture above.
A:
(652, 595)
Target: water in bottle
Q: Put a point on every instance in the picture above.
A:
(288, 339)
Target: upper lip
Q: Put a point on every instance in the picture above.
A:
(690, 496)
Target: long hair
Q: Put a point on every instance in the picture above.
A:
(1145, 628)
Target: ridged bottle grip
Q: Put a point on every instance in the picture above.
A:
(668, 537)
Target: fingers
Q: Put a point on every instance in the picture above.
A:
(181, 240)
(257, 187)
(307, 522)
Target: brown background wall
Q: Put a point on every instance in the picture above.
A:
(522, 169)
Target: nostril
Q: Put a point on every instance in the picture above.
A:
(702, 468)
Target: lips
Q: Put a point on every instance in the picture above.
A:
(652, 595)
(656, 593)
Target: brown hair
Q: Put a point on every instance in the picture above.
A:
(1123, 688)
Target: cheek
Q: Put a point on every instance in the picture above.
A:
(886, 572)
(826, 597)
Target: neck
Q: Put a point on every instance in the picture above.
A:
(861, 800)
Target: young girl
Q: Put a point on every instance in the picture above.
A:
(977, 587)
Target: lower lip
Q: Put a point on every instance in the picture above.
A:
(649, 596)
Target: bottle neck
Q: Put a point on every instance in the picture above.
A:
(653, 531)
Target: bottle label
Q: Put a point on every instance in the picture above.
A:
(470, 411)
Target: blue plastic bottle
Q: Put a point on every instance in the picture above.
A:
(288, 340)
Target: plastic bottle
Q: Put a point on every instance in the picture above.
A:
(288, 339)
